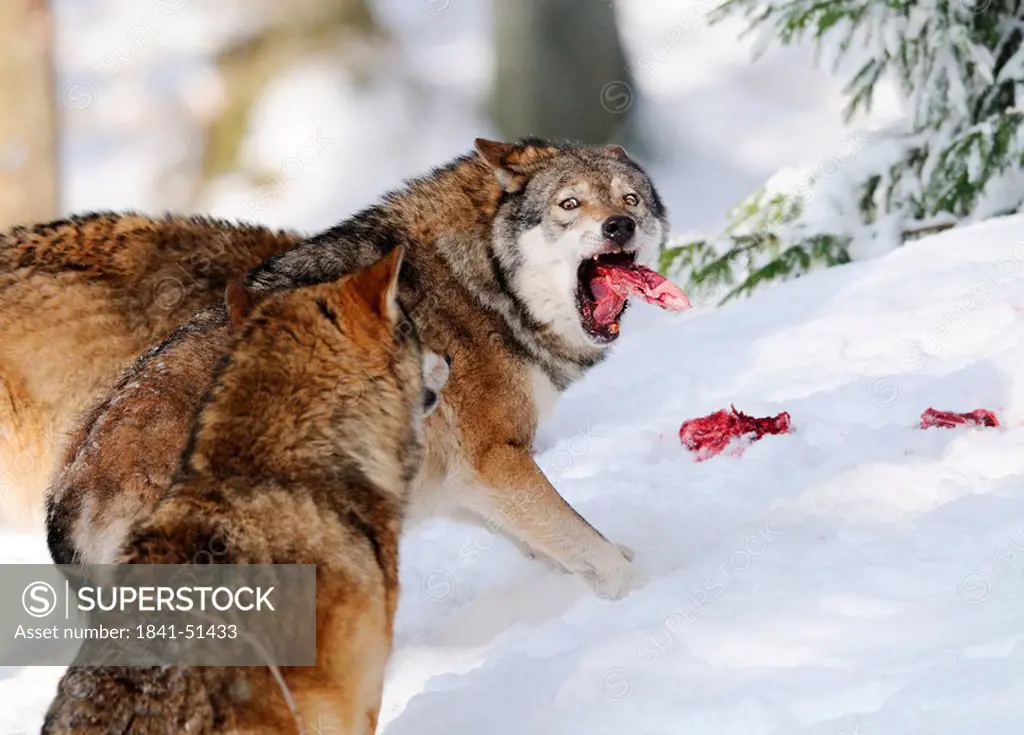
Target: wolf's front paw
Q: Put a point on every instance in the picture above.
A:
(614, 576)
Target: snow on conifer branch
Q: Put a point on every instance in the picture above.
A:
(958, 155)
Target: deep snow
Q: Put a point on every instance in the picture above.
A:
(857, 576)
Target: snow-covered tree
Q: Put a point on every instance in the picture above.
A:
(957, 156)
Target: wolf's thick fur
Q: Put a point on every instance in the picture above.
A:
(122, 457)
(80, 299)
(289, 463)
(489, 277)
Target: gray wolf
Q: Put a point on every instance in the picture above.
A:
(500, 252)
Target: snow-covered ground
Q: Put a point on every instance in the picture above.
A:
(857, 576)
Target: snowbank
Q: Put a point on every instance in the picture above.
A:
(857, 576)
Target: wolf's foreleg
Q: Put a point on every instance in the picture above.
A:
(516, 498)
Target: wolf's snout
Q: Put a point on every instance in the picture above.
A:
(619, 229)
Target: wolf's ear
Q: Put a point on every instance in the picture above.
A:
(616, 151)
(501, 158)
(239, 301)
(377, 285)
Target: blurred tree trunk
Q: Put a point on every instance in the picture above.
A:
(561, 72)
(333, 31)
(28, 118)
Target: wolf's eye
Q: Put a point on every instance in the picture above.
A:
(631, 199)
(570, 203)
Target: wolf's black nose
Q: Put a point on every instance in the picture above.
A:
(619, 229)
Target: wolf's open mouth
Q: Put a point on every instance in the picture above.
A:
(606, 281)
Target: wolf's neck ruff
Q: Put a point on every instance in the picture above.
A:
(255, 419)
(485, 272)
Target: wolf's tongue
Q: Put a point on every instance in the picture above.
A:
(613, 284)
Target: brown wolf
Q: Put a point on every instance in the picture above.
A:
(80, 299)
(289, 463)
(501, 248)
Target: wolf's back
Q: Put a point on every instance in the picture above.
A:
(80, 299)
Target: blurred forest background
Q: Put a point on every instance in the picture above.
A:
(297, 113)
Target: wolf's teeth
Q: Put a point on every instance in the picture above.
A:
(613, 328)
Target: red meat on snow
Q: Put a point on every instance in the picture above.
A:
(948, 419)
(710, 435)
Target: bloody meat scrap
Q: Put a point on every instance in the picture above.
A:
(710, 435)
(611, 285)
(948, 419)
